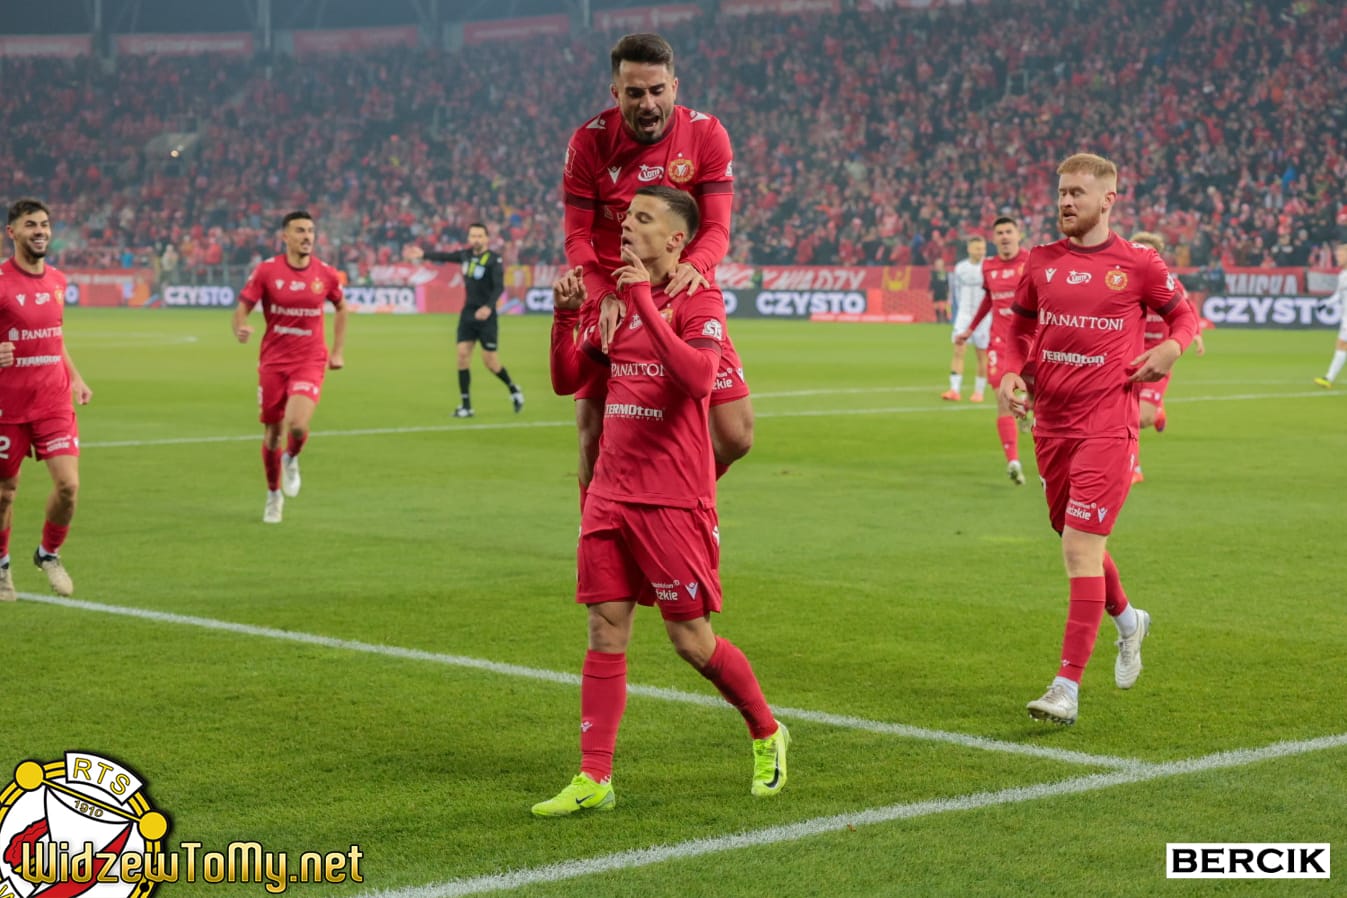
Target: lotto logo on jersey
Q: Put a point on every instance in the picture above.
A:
(681, 170)
(1078, 277)
(1116, 280)
(650, 173)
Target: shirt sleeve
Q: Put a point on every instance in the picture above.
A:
(335, 294)
(714, 190)
(1023, 321)
(496, 276)
(691, 353)
(581, 199)
(453, 255)
(1164, 295)
(251, 294)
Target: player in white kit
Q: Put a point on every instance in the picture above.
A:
(965, 289)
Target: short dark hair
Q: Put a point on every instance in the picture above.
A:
(26, 206)
(1005, 219)
(645, 48)
(297, 215)
(679, 201)
(478, 224)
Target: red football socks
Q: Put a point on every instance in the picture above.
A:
(1115, 600)
(603, 698)
(1083, 615)
(53, 536)
(1009, 432)
(271, 462)
(733, 676)
(295, 443)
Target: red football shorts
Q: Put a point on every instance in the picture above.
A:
(48, 437)
(1086, 479)
(654, 554)
(1154, 393)
(275, 387)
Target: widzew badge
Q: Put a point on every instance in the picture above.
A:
(1115, 279)
(79, 826)
(681, 170)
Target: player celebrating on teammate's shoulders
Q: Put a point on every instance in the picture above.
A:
(1339, 298)
(293, 289)
(645, 140)
(37, 382)
(484, 280)
(1000, 276)
(1157, 331)
(648, 532)
(1078, 320)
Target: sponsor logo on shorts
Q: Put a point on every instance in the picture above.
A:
(692, 589)
(1083, 512)
(666, 592)
(59, 444)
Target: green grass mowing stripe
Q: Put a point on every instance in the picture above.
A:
(627, 860)
(549, 676)
(524, 425)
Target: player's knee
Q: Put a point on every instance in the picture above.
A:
(693, 649)
(67, 487)
(8, 490)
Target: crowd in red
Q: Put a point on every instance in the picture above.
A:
(860, 138)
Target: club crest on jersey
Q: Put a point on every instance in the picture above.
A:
(1078, 277)
(681, 170)
(667, 314)
(650, 173)
(1115, 279)
(316, 286)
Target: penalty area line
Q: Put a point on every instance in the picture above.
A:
(660, 693)
(643, 857)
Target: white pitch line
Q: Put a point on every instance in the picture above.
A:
(520, 425)
(818, 826)
(567, 679)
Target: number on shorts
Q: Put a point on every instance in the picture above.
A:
(991, 358)
(4, 448)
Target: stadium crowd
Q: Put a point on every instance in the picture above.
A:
(876, 137)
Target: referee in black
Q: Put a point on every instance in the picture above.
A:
(484, 277)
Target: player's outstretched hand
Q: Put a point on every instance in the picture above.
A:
(568, 291)
(634, 272)
(6, 354)
(80, 390)
(335, 361)
(611, 312)
(1199, 345)
(685, 277)
(413, 253)
(1156, 362)
(243, 332)
(1015, 394)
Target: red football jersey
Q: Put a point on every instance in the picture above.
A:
(292, 303)
(656, 445)
(1000, 277)
(32, 309)
(1091, 305)
(606, 165)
